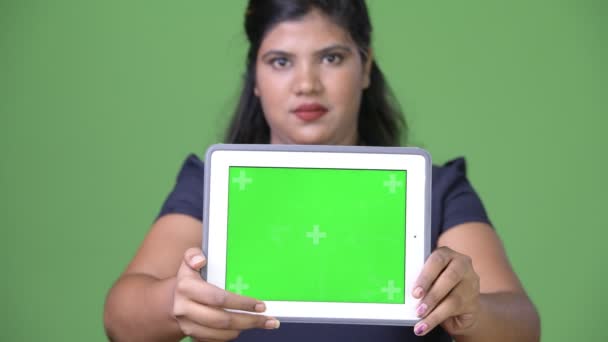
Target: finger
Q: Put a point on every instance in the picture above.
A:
(220, 319)
(208, 294)
(448, 279)
(194, 258)
(446, 309)
(202, 333)
(192, 262)
(434, 265)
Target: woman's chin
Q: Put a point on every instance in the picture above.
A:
(310, 139)
(300, 137)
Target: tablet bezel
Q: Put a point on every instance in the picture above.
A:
(416, 161)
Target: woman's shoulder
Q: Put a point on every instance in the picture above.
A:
(454, 199)
(187, 194)
(192, 166)
(450, 170)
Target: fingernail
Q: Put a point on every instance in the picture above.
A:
(196, 259)
(420, 328)
(418, 292)
(260, 307)
(421, 309)
(272, 324)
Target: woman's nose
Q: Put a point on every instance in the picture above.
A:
(307, 81)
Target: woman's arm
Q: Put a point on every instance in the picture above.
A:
(161, 296)
(138, 306)
(506, 312)
(483, 299)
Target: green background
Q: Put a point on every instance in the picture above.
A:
(101, 101)
(272, 249)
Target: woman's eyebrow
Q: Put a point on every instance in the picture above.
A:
(277, 53)
(332, 48)
(323, 51)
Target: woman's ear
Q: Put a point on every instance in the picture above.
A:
(367, 69)
(256, 92)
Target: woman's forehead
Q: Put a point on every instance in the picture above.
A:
(312, 32)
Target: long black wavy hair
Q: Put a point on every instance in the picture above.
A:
(381, 122)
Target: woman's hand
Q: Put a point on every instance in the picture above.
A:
(448, 289)
(199, 306)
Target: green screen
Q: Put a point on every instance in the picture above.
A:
(331, 235)
(101, 101)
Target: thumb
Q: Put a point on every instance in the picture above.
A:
(193, 261)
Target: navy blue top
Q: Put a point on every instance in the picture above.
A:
(453, 201)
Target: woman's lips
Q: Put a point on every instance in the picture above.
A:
(310, 112)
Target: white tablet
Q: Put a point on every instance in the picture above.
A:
(329, 234)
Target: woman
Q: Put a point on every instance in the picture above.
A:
(311, 79)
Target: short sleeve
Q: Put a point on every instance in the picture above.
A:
(187, 195)
(454, 201)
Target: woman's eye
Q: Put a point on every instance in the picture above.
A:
(280, 62)
(332, 58)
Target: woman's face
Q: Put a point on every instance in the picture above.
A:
(309, 78)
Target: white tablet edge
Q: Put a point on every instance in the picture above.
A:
(419, 181)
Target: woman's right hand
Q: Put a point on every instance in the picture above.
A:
(199, 306)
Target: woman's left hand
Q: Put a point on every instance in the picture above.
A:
(448, 289)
